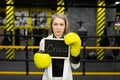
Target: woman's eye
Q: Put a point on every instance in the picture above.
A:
(55, 24)
(61, 24)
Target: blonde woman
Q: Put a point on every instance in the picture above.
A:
(60, 69)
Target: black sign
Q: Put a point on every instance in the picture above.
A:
(56, 48)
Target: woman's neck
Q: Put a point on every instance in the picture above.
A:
(58, 36)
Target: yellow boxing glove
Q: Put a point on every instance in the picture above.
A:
(42, 60)
(74, 41)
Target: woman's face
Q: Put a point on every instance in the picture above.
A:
(58, 27)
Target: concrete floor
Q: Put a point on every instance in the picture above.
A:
(20, 66)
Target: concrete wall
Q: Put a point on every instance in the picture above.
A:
(88, 15)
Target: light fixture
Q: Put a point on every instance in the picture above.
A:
(117, 2)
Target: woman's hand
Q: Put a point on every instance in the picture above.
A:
(74, 41)
(42, 60)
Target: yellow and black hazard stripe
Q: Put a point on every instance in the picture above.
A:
(100, 25)
(9, 15)
(61, 6)
(10, 53)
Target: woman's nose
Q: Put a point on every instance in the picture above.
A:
(58, 27)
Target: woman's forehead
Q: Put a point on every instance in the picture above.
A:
(58, 20)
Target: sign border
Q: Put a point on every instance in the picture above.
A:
(56, 57)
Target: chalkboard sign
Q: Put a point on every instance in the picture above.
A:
(56, 48)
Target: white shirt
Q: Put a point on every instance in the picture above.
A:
(67, 71)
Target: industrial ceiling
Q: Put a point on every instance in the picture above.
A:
(51, 3)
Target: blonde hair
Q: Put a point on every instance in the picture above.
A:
(61, 16)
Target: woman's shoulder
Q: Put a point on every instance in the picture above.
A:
(50, 36)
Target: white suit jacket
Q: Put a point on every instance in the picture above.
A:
(67, 71)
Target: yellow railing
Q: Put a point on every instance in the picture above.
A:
(29, 27)
(74, 73)
(34, 47)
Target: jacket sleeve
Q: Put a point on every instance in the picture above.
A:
(75, 61)
(41, 45)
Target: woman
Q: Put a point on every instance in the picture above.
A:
(60, 69)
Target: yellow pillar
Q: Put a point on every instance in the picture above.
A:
(29, 31)
(100, 25)
(61, 6)
(10, 53)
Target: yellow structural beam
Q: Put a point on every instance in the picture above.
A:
(117, 27)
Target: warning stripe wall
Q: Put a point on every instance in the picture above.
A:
(10, 53)
(61, 6)
(100, 27)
